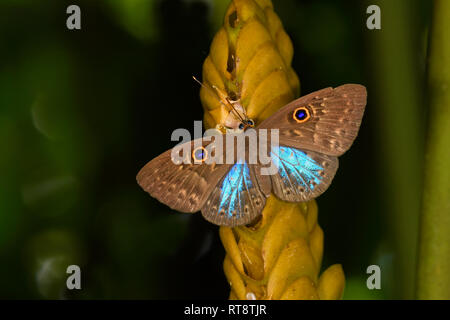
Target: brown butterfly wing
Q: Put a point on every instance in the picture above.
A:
(335, 117)
(183, 187)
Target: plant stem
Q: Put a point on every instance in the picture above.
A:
(433, 276)
(395, 103)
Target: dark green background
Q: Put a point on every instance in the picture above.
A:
(82, 111)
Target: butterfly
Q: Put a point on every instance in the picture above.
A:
(313, 131)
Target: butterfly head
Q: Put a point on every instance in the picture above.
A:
(248, 123)
(236, 120)
(233, 125)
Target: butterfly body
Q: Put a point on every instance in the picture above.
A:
(313, 131)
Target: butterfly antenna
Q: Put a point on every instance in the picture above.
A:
(200, 83)
(221, 96)
(234, 109)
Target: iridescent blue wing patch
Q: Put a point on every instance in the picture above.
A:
(302, 175)
(237, 199)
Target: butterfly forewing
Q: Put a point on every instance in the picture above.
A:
(183, 187)
(331, 122)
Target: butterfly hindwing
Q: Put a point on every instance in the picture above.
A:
(331, 121)
(301, 175)
(238, 198)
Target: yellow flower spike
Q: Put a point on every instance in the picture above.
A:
(234, 277)
(301, 289)
(279, 257)
(311, 216)
(252, 259)
(295, 261)
(232, 296)
(289, 225)
(249, 59)
(219, 53)
(275, 82)
(332, 283)
(316, 244)
(251, 37)
(229, 242)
